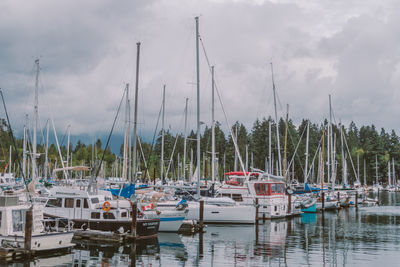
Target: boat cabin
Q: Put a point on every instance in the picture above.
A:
(76, 204)
(12, 217)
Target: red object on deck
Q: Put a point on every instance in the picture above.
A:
(232, 182)
(241, 173)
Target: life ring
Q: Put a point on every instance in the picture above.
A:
(106, 206)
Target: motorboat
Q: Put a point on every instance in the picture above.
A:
(12, 227)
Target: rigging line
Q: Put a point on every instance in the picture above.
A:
(109, 136)
(152, 142)
(315, 155)
(173, 150)
(65, 134)
(226, 116)
(14, 143)
(295, 151)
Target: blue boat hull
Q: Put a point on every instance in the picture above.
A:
(311, 209)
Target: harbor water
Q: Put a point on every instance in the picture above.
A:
(367, 236)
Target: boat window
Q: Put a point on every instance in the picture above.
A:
(108, 215)
(261, 189)
(95, 215)
(94, 200)
(85, 204)
(123, 214)
(273, 188)
(18, 220)
(78, 203)
(54, 202)
(237, 197)
(69, 203)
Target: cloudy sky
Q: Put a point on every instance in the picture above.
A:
(87, 49)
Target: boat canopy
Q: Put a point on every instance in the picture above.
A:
(73, 168)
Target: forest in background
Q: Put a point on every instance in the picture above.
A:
(365, 143)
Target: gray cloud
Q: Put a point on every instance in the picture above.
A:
(88, 50)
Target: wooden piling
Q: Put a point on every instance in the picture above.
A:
(134, 219)
(289, 204)
(257, 211)
(201, 217)
(154, 176)
(28, 230)
(323, 200)
(338, 196)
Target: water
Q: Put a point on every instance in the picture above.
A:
(367, 237)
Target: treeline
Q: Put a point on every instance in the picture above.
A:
(364, 143)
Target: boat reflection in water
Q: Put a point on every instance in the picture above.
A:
(90, 254)
(171, 244)
(308, 218)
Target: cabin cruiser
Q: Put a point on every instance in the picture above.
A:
(12, 227)
(96, 212)
(268, 189)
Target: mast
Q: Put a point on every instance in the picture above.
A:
(68, 139)
(389, 178)
(236, 155)
(343, 157)
(269, 148)
(329, 143)
(46, 162)
(358, 167)
(247, 158)
(393, 174)
(35, 121)
(126, 140)
(322, 163)
(135, 114)
(284, 153)
(10, 160)
(198, 105)
(212, 129)
(24, 147)
(306, 167)
(277, 123)
(376, 169)
(162, 136)
(185, 141)
(365, 173)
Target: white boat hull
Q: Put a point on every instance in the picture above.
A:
(43, 242)
(236, 214)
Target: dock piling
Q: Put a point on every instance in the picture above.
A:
(201, 217)
(134, 219)
(257, 211)
(28, 230)
(323, 200)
